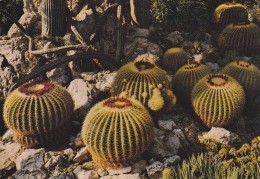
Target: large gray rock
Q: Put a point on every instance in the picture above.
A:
(119, 171)
(84, 174)
(25, 174)
(167, 125)
(154, 169)
(63, 176)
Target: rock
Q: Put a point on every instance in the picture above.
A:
(198, 57)
(69, 152)
(30, 6)
(138, 32)
(159, 149)
(78, 140)
(173, 144)
(63, 176)
(51, 160)
(175, 37)
(213, 66)
(8, 134)
(167, 125)
(61, 75)
(8, 154)
(75, 6)
(30, 159)
(119, 171)
(102, 172)
(123, 176)
(83, 174)
(154, 168)
(82, 155)
(139, 166)
(171, 161)
(105, 83)
(35, 174)
(220, 135)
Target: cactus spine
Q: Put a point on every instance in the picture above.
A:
(54, 13)
(168, 173)
(247, 75)
(138, 79)
(140, 12)
(117, 131)
(242, 37)
(218, 99)
(228, 13)
(185, 79)
(174, 58)
(39, 113)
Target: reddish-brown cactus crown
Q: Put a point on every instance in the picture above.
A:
(35, 88)
(142, 65)
(217, 80)
(117, 102)
(241, 23)
(243, 64)
(192, 66)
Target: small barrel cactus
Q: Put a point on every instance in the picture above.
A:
(54, 15)
(218, 99)
(38, 113)
(228, 13)
(247, 74)
(139, 79)
(186, 78)
(117, 131)
(174, 58)
(241, 37)
(168, 173)
(140, 12)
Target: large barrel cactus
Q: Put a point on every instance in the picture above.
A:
(117, 131)
(39, 113)
(218, 100)
(185, 79)
(228, 13)
(174, 58)
(54, 15)
(145, 81)
(242, 37)
(247, 74)
(140, 12)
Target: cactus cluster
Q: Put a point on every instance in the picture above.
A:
(146, 82)
(140, 12)
(174, 58)
(244, 37)
(228, 13)
(247, 74)
(54, 16)
(218, 99)
(117, 131)
(185, 79)
(38, 113)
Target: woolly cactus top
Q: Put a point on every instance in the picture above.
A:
(230, 4)
(175, 50)
(218, 80)
(244, 64)
(143, 66)
(117, 103)
(192, 66)
(36, 88)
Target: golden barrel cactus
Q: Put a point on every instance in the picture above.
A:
(117, 131)
(139, 79)
(218, 99)
(185, 79)
(230, 12)
(38, 113)
(241, 37)
(174, 58)
(247, 74)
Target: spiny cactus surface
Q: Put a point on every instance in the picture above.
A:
(140, 12)
(247, 74)
(228, 13)
(174, 58)
(167, 173)
(138, 79)
(218, 100)
(185, 79)
(38, 113)
(243, 37)
(117, 131)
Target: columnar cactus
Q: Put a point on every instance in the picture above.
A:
(228, 13)
(218, 100)
(242, 37)
(185, 79)
(174, 58)
(140, 12)
(38, 113)
(247, 75)
(138, 79)
(54, 15)
(117, 131)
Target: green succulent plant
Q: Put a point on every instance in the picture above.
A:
(54, 16)
(243, 37)
(145, 81)
(117, 131)
(38, 113)
(167, 173)
(230, 12)
(218, 100)
(140, 12)
(247, 74)
(174, 58)
(186, 78)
